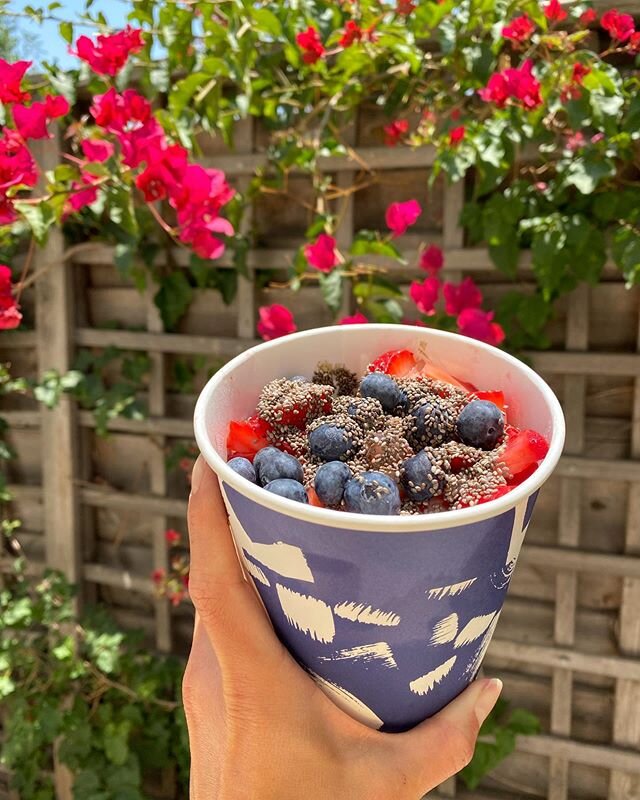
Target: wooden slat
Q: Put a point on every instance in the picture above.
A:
(55, 315)
(568, 536)
(158, 476)
(126, 501)
(626, 720)
(163, 426)
(118, 578)
(580, 752)
(556, 558)
(246, 322)
(17, 340)
(368, 159)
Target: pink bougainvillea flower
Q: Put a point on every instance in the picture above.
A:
(157, 576)
(97, 150)
(83, 192)
(311, 45)
(519, 29)
(432, 259)
(597, 137)
(199, 234)
(322, 253)
(7, 211)
(457, 297)
(108, 54)
(11, 76)
(395, 131)
(554, 12)
(172, 536)
(355, 319)
(106, 109)
(31, 121)
(618, 26)
(352, 33)
(588, 17)
(634, 42)
(142, 143)
(579, 73)
(575, 141)
(10, 316)
(405, 7)
(478, 324)
(541, 186)
(275, 321)
(516, 84)
(425, 295)
(456, 135)
(17, 167)
(400, 216)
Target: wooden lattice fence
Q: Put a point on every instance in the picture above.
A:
(569, 637)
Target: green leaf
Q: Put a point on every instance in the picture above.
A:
(370, 242)
(39, 217)
(116, 742)
(267, 21)
(626, 253)
(331, 287)
(66, 31)
(173, 298)
(586, 172)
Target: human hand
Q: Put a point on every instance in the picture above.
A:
(260, 728)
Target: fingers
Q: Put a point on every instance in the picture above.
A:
(227, 605)
(441, 746)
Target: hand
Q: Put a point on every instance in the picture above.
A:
(260, 728)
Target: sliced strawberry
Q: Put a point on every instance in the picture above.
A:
(314, 500)
(516, 480)
(437, 374)
(398, 363)
(523, 451)
(496, 397)
(246, 437)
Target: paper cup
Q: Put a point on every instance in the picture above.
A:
(390, 615)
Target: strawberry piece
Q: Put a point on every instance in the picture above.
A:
(246, 437)
(398, 363)
(516, 480)
(314, 500)
(499, 492)
(523, 451)
(438, 374)
(496, 397)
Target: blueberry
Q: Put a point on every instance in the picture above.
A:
(330, 442)
(330, 481)
(481, 424)
(243, 467)
(271, 464)
(418, 479)
(288, 488)
(432, 424)
(372, 493)
(384, 389)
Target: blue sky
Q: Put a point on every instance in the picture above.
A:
(50, 46)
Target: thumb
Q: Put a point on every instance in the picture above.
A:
(444, 744)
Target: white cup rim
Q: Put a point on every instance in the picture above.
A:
(415, 523)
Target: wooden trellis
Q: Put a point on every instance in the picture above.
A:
(569, 638)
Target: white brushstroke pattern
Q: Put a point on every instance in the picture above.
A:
(517, 533)
(365, 652)
(358, 612)
(440, 592)
(426, 683)
(254, 569)
(348, 702)
(307, 614)
(284, 559)
(474, 629)
(476, 661)
(445, 630)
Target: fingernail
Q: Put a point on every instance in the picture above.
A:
(487, 699)
(196, 474)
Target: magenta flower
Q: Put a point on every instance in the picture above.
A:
(355, 319)
(401, 216)
(425, 295)
(11, 76)
(456, 135)
(10, 316)
(322, 253)
(519, 29)
(108, 54)
(513, 84)
(394, 131)
(554, 12)
(432, 259)
(311, 45)
(466, 294)
(83, 192)
(478, 324)
(31, 121)
(97, 149)
(275, 321)
(618, 26)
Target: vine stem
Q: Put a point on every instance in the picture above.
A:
(22, 284)
(169, 705)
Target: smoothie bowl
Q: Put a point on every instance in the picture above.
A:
(379, 481)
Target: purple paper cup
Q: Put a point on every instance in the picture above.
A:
(390, 615)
